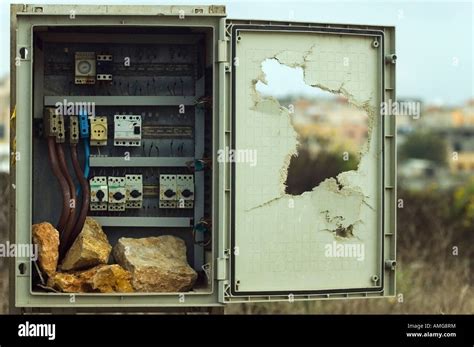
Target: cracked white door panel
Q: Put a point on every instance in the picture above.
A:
(285, 241)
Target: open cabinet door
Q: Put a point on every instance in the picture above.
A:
(335, 238)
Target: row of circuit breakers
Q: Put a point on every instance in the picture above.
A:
(119, 193)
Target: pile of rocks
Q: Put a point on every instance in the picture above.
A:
(152, 264)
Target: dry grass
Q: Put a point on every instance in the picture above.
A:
(426, 288)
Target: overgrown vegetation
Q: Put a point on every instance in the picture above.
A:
(4, 193)
(424, 145)
(306, 171)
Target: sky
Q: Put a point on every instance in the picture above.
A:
(434, 39)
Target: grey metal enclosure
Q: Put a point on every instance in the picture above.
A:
(166, 110)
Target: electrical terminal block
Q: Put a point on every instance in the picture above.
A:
(74, 129)
(50, 119)
(61, 136)
(84, 125)
(104, 67)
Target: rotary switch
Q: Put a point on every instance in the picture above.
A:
(118, 196)
(100, 195)
(186, 193)
(135, 193)
(169, 193)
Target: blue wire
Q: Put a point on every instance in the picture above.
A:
(86, 164)
(84, 134)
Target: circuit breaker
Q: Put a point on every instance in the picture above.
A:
(134, 191)
(117, 193)
(150, 121)
(185, 191)
(168, 194)
(127, 130)
(99, 193)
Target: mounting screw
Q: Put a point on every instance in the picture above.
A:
(391, 58)
(390, 264)
(375, 43)
(375, 279)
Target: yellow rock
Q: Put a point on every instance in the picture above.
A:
(90, 248)
(67, 283)
(112, 279)
(47, 239)
(157, 264)
(102, 279)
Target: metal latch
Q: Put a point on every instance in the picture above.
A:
(221, 269)
(221, 51)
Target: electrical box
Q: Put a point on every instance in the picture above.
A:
(168, 130)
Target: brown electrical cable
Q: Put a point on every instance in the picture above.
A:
(85, 193)
(62, 182)
(66, 236)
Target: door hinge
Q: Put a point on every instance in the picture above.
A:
(221, 51)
